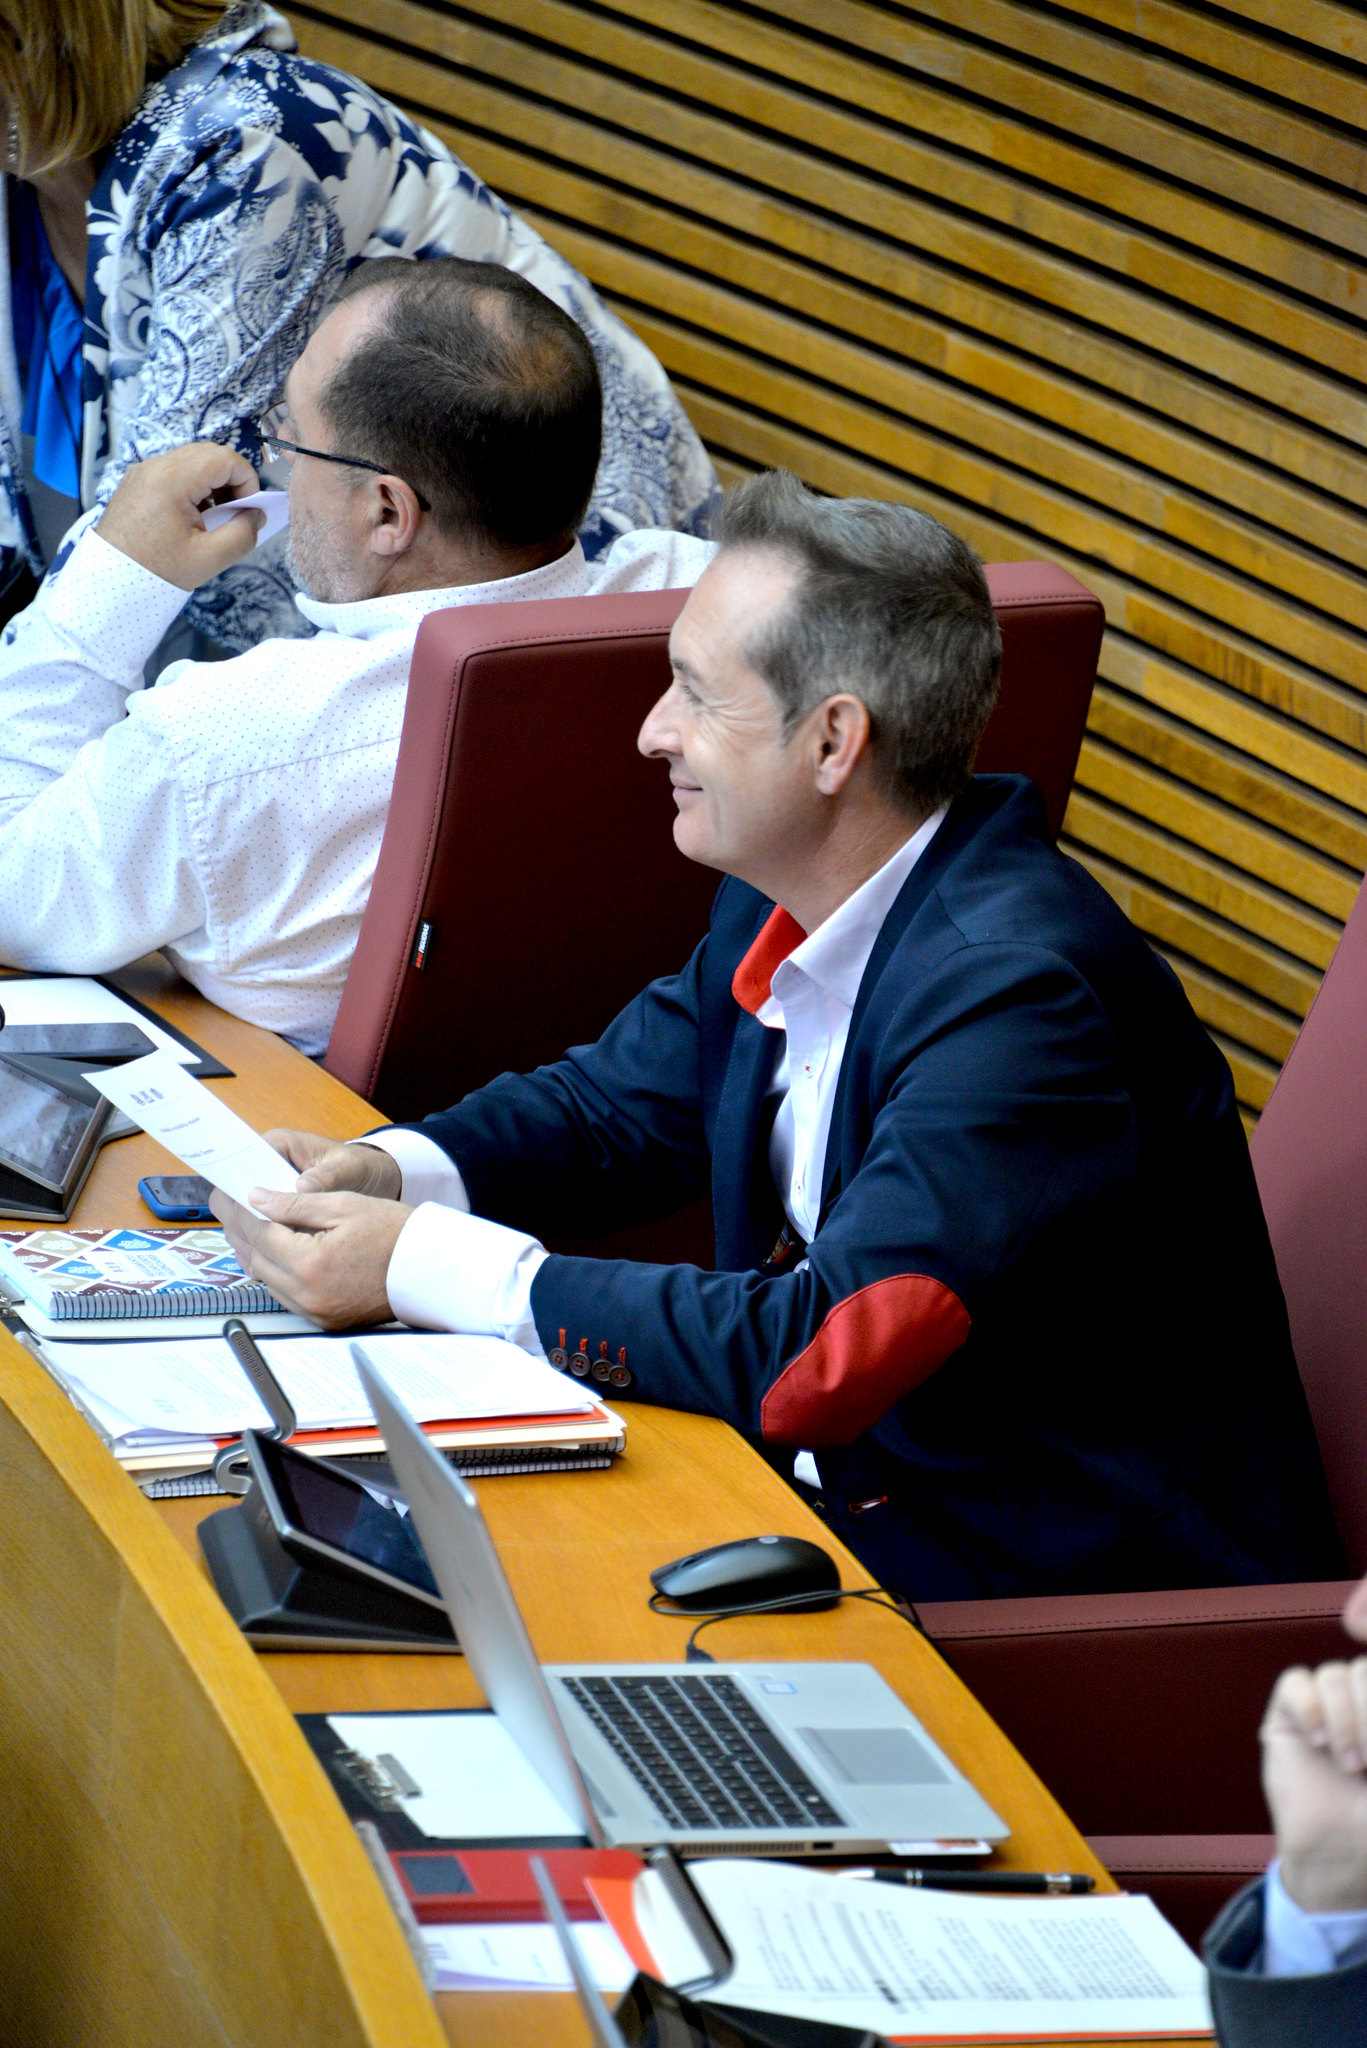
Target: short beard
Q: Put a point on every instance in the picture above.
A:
(317, 565)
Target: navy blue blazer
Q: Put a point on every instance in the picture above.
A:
(1039, 1342)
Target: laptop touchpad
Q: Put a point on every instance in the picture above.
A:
(876, 1756)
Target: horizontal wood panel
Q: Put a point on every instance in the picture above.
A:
(1305, 76)
(1069, 106)
(1087, 281)
(1112, 370)
(1146, 71)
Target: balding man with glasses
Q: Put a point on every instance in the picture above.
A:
(441, 432)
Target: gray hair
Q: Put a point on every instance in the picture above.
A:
(892, 607)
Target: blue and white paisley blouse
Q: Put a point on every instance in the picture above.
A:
(248, 182)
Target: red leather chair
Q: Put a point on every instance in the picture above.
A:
(530, 844)
(528, 884)
(1140, 1711)
(1051, 628)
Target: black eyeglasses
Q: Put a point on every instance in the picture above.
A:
(269, 439)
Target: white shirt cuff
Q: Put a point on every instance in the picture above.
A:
(459, 1272)
(1301, 1944)
(429, 1174)
(109, 605)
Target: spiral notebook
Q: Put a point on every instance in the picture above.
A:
(95, 1283)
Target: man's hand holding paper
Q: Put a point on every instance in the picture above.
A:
(331, 1250)
(330, 1239)
(325, 1167)
(346, 1244)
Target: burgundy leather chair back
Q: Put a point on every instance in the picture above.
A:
(528, 884)
(1051, 638)
(1310, 1157)
(530, 840)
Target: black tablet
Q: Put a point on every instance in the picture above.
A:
(48, 1136)
(329, 1520)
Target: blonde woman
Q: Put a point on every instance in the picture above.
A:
(184, 194)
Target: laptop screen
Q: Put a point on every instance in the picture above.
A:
(487, 1620)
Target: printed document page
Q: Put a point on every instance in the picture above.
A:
(927, 1965)
(203, 1133)
(145, 1394)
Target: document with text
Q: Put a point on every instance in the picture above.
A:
(923, 1966)
(149, 1393)
(522, 1957)
(203, 1133)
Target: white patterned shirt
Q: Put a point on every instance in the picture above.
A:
(232, 815)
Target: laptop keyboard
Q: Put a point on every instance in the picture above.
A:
(703, 1754)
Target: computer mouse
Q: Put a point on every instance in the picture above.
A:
(752, 1569)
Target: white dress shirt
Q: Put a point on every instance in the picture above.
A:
(233, 814)
(811, 1000)
(450, 1270)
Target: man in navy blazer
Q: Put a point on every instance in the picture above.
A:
(988, 1243)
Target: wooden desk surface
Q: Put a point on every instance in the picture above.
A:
(578, 1547)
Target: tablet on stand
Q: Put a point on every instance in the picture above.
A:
(50, 1131)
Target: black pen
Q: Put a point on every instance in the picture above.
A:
(1054, 1883)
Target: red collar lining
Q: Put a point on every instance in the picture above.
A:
(751, 982)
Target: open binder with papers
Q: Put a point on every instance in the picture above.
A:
(165, 1408)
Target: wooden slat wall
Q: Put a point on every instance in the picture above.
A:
(1088, 281)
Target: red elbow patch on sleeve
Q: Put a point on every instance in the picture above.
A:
(873, 1348)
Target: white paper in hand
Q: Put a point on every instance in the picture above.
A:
(181, 1114)
(274, 505)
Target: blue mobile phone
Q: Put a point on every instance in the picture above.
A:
(178, 1197)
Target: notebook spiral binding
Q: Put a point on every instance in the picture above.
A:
(250, 1299)
(489, 1462)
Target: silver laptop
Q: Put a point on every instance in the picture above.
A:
(714, 1759)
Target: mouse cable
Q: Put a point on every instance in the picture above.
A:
(874, 1594)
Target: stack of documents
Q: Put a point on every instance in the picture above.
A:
(166, 1407)
(920, 1966)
